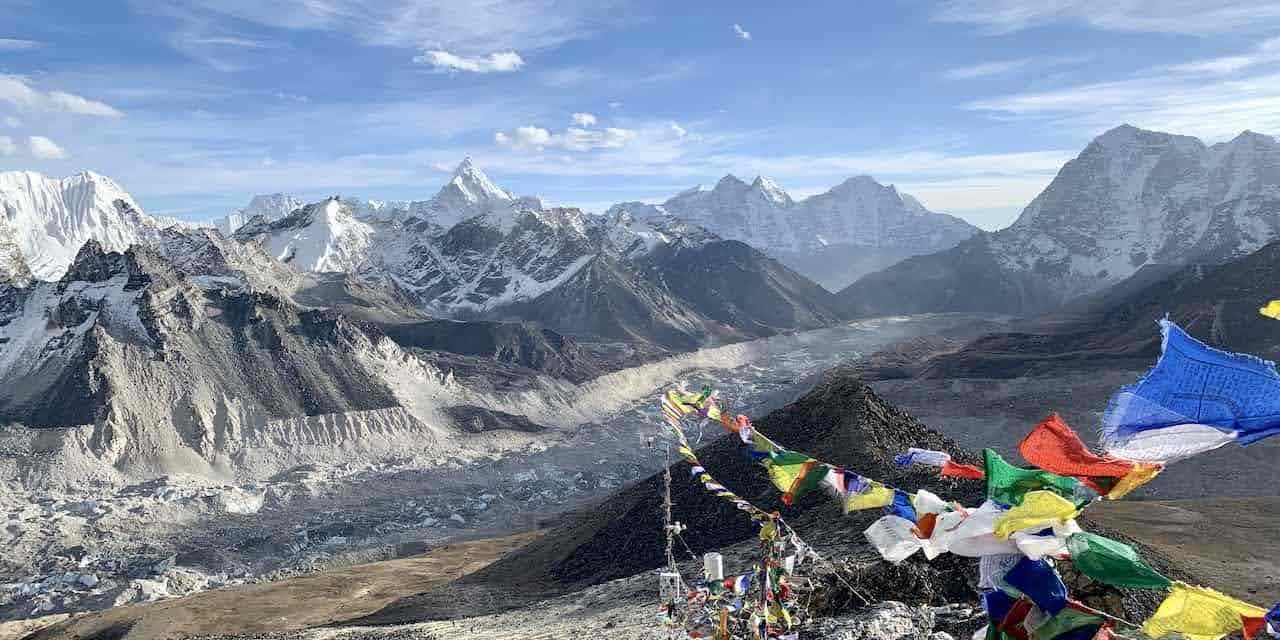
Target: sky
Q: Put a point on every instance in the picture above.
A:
(972, 106)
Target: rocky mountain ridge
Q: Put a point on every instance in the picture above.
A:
(511, 258)
(1132, 198)
(854, 228)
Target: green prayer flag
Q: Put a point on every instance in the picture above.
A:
(1007, 484)
(1066, 620)
(1112, 562)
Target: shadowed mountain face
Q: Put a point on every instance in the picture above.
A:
(841, 420)
(1132, 198)
(1218, 304)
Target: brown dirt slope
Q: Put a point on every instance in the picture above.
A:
(298, 603)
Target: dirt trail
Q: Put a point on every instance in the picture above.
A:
(287, 605)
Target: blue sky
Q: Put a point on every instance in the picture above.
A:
(195, 105)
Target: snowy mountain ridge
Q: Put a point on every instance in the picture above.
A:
(833, 237)
(44, 221)
(1135, 197)
(1132, 198)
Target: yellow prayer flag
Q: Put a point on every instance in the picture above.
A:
(1272, 310)
(876, 495)
(1140, 475)
(1198, 613)
(1038, 509)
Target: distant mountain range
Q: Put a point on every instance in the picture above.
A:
(835, 237)
(1132, 198)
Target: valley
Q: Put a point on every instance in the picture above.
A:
(203, 424)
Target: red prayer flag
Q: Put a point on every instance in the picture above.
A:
(1253, 627)
(924, 526)
(1012, 622)
(957, 470)
(1054, 447)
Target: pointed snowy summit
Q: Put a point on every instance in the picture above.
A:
(470, 186)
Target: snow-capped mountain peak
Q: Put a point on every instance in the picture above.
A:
(323, 236)
(47, 220)
(272, 207)
(470, 185)
(771, 191)
(858, 226)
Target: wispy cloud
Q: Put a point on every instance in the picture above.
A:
(43, 148)
(7, 146)
(1191, 17)
(982, 69)
(470, 28)
(18, 44)
(18, 92)
(1001, 67)
(1209, 107)
(1265, 52)
(568, 77)
(497, 62)
(584, 119)
(740, 32)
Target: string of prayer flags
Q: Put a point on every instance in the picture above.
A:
(927, 457)
(794, 474)
(1111, 562)
(1272, 310)
(1037, 581)
(1195, 399)
(872, 496)
(1053, 446)
(1273, 620)
(1039, 509)
(1073, 622)
(1051, 542)
(1199, 613)
(675, 406)
(941, 459)
(1008, 484)
(901, 506)
(894, 537)
(955, 469)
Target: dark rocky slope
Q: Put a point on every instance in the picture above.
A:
(1117, 329)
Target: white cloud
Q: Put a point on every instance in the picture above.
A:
(45, 149)
(497, 62)
(16, 91)
(1191, 17)
(584, 119)
(742, 33)
(615, 105)
(72, 103)
(573, 139)
(12, 122)
(677, 129)
(7, 146)
(16, 44)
